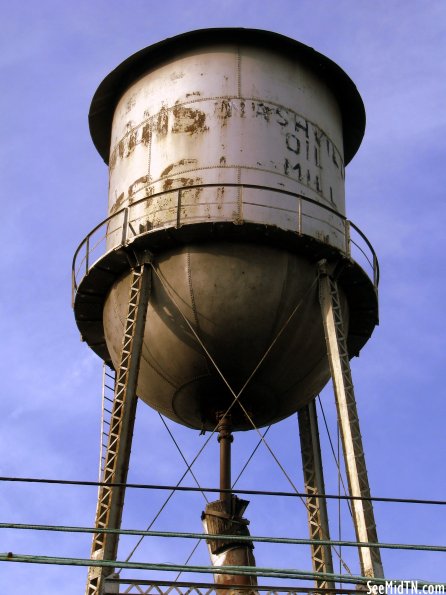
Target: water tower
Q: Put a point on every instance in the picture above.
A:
(230, 285)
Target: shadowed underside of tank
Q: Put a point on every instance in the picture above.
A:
(243, 302)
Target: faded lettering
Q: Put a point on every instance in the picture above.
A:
(292, 143)
(306, 155)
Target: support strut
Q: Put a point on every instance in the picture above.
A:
(358, 483)
(314, 484)
(111, 499)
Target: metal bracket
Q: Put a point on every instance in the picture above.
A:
(138, 258)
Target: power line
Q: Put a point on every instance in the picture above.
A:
(336, 458)
(218, 490)
(234, 538)
(233, 570)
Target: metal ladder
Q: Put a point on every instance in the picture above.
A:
(117, 453)
(108, 397)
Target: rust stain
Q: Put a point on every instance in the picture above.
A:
(220, 197)
(174, 183)
(162, 124)
(130, 103)
(224, 110)
(193, 194)
(168, 169)
(188, 120)
(117, 204)
(167, 185)
(188, 181)
(146, 133)
(177, 165)
(121, 149)
(131, 142)
(113, 159)
(137, 185)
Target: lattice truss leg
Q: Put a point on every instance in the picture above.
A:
(363, 516)
(111, 499)
(314, 484)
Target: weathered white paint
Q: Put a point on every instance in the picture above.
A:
(223, 114)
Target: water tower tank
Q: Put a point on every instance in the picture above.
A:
(226, 150)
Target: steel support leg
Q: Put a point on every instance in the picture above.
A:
(363, 517)
(111, 499)
(314, 484)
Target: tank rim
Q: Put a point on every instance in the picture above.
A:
(118, 80)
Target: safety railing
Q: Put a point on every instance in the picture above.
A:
(177, 207)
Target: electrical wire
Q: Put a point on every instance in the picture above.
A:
(233, 570)
(336, 458)
(262, 439)
(234, 538)
(218, 490)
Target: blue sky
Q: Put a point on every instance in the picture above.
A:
(54, 190)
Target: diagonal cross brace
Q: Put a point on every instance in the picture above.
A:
(111, 499)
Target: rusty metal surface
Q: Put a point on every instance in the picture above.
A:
(239, 204)
(111, 89)
(223, 156)
(233, 115)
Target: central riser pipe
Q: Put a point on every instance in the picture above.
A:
(225, 517)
